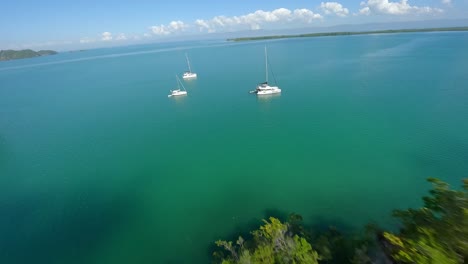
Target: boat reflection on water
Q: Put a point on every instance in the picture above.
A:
(268, 97)
(179, 99)
(267, 103)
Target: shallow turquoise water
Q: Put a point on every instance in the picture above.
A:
(97, 165)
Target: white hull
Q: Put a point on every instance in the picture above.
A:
(264, 88)
(272, 91)
(189, 75)
(174, 93)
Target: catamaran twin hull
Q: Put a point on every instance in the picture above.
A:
(189, 75)
(266, 92)
(264, 88)
(177, 93)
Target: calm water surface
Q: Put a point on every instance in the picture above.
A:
(97, 165)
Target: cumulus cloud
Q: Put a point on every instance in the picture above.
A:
(364, 11)
(395, 8)
(305, 15)
(334, 8)
(106, 36)
(447, 2)
(159, 30)
(177, 25)
(202, 24)
(173, 27)
(256, 20)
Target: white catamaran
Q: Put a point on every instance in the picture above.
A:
(178, 91)
(189, 74)
(264, 88)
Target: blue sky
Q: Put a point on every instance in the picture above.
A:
(56, 24)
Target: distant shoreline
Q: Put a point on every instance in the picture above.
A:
(6, 55)
(348, 33)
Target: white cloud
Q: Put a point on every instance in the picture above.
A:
(334, 8)
(257, 20)
(395, 8)
(364, 11)
(177, 25)
(305, 15)
(159, 30)
(447, 2)
(202, 25)
(173, 27)
(106, 36)
(121, 36)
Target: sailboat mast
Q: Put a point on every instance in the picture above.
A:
(266, 65)
(188, 63)
(179, 83)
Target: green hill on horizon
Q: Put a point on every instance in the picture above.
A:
(22, 54)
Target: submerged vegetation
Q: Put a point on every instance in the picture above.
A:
(434, 233)
(347, 33)
(22, 54)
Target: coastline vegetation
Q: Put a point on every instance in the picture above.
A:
(348, 33)
(22, 54)
(435, 233)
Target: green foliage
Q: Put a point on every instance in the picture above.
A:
(337, 248)
(21, 54)
(263, 254)
(425, 249)
(272, 243)
(302, 251)
(435, 233)
(295, 226)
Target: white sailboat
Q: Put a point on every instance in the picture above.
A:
(264, 88)
(178, 91)
(189, 74)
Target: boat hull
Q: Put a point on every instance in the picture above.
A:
(264, 89)
(189, 76)
(179, 93)
(266, 92)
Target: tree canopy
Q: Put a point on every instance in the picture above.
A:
(436, 233)
(273, 242)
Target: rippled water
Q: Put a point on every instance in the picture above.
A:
(97, 165)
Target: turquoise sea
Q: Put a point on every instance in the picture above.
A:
(98, 165)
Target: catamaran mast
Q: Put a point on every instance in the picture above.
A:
(188, 63)
(266, 65)
(179, 83)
